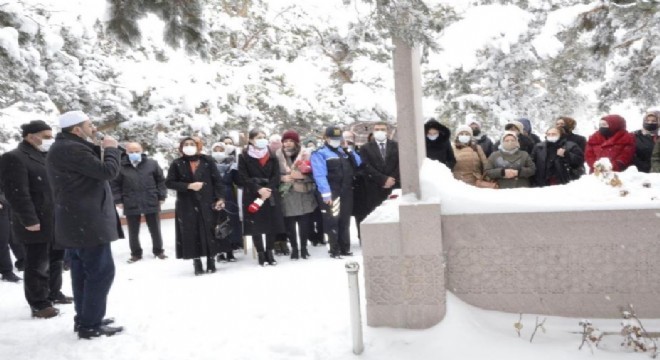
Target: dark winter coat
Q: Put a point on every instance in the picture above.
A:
(195, 217)
(26, 184)
(519, 160)
(618, 147)
(644, 144)
(85, 214)
(228, 169)
(552, 169)
(139, 188)
(440, 148)
(486, 144)
(252, 177)
(377, 170)
(579, 140)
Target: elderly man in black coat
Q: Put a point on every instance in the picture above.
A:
(380, 162)
(26, 187)
(85, 217)
(140, 189)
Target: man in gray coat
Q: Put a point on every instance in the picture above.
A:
(140, 189)
(85, 216)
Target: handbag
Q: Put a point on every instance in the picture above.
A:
(222, 230)
(486, 183)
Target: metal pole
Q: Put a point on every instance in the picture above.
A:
(352, 268)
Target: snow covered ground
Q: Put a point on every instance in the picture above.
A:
(296, 310)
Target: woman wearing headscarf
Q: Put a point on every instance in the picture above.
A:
(470, 158)
(510, 166)
(200, 191)
(259, 175)
(611, 141)
(438, 145)
(645, 140)
(557, 160)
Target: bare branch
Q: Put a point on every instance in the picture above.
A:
(536, 327)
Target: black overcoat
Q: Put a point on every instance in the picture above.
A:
(376, 171)
(85, 214)
(252, 177)
(195, 217)
(139, 188)
(26, 186)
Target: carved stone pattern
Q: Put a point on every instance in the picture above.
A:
(407, 280)
(586, 268)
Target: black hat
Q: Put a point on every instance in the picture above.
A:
(34, 126)
(333, 132)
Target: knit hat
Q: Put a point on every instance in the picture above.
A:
(34, 126)
(527, 125)
(333, 132)
(517, 124)
(71, 118)
(221, 144)
(462, 128)
(291, 135)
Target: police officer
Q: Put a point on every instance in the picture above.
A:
(333, 169)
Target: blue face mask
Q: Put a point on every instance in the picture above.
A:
(135, 157)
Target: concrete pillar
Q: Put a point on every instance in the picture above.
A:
(403, 260)
(410, 128)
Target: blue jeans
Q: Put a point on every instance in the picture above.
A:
(92, 273)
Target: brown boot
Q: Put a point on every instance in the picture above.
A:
(45, 313)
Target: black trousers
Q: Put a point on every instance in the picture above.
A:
(304, 224)
(337, 227)
(5, 238)
(258, 242)
(42, 280)
(153, 223)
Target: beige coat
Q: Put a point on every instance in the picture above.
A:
(470, 163)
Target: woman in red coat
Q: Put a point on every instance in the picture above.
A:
(611, 141)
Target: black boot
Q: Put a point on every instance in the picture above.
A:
(262, 258)
(210, 264)
(294, 254)
(199, 270)
(285, 248)
(230, 256)
(304, 253)
(270, 258)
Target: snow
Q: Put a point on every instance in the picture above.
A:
(546, 43)
(9, 42)
(296, 310)
(486, 29)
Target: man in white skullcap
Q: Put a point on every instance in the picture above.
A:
(85, 217)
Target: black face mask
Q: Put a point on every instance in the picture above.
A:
(604, 131)
(650, 127)
(476, 132)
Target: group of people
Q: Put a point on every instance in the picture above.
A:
(520, 158)
(60, 195)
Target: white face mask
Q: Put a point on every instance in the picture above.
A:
(431, 137)
(552, 139)
(219, 155)
(189, 150)
(464, 139)
(260, 143)
(380, 136)
(334, 143)
(45, 144)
